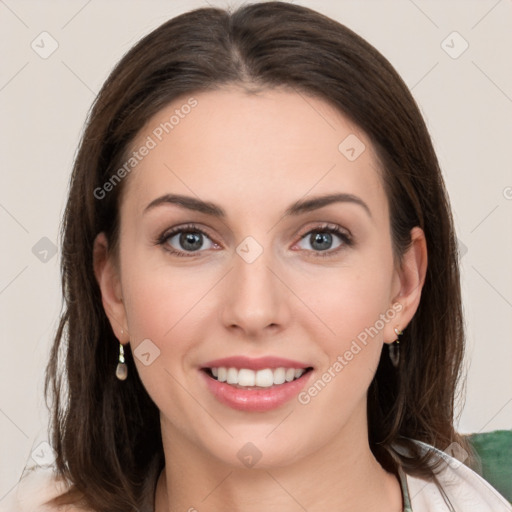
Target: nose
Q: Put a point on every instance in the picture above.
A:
(256, 300)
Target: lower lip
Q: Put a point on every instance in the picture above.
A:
(255, 400)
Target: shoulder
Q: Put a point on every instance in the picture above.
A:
(34, 489)
(455, 488)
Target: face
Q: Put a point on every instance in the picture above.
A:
(248, 232)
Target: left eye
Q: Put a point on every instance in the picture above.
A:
(322, 240)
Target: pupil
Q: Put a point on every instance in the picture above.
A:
(191, 241)
(321, 241)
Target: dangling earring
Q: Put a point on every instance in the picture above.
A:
(122, 369)
(394, 349)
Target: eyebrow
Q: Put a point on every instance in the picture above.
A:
(297, 208)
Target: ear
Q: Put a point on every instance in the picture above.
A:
(107, 276)
(408, 282)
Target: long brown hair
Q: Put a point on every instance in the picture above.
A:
(106, 433)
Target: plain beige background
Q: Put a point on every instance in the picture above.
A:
(464, 93)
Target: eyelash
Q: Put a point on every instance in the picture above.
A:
(346, 239)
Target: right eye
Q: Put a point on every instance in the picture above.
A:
(186, 240)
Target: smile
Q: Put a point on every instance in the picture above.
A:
(255, 385)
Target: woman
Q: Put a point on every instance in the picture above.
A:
(262, 292)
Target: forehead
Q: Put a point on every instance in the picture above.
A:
(252, 150)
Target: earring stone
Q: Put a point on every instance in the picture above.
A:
(121, 369)
(394, 349)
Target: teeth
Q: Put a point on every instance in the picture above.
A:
(245, 377)
(222, 375)
(264, 378)
(261, 378)
(232, 376)
(279, 375)
(290, 374)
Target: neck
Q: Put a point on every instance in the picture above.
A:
(343, 475)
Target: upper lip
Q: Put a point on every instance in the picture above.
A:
(258, 363)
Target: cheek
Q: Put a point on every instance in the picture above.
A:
(348, 301)
(355, 310)
(159, 298)
(165, 319)
(166, 306)
(356, 314)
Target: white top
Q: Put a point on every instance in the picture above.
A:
(460, 490)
